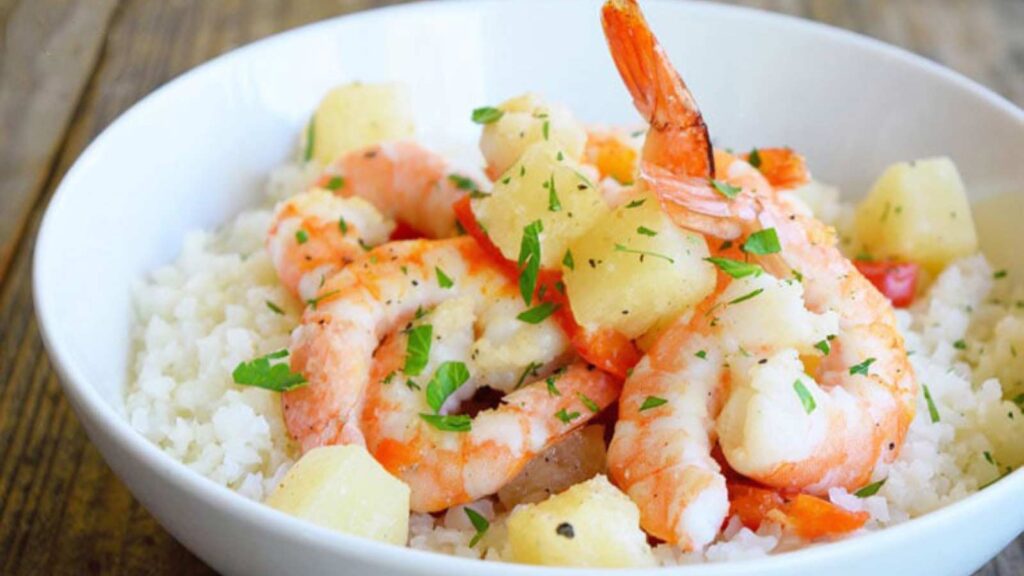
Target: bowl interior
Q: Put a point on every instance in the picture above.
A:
(196, 151)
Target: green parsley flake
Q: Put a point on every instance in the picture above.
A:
(487, 115)
(314, 302)
(480, 524)
(960, 345)
(567, 260)
(531, 368)
(342, 225)
(933, 412)
(999, 274)
(989, 459)
(646, 231)
(747, 296)
(259, 372)
(448, 377)
(554, 204)
(652, 402)
(870, 489)
(862, 368)
(274, 308)
(762, 242)
(335, 183)
(642, 253)
(449, 422)
(538, 313)
(546, 129)
(301, 236)
(754, 159)
(725, 189)
(703, 355)
(442, 279)
(529, 260)
(636, 203)
(736, 268)
(590, 404)
(566, 417)
(805, 396)
(462, 182)
(417, 351)
(552, 389)
(824, 347)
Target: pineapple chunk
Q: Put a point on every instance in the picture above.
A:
(527, 120)
(345, 489)
(524, 194)
(634, 268)
(918, 211)
(355, 116)
(592, 524)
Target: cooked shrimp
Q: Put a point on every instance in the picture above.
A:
(761, 326)
(315, 233)
(405, 181)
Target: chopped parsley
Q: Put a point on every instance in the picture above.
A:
(646, 231)
(307, 153)
(805, 396)
(566, 417)
(701, 354)
(449, 422)
(870, 489)
(554, 204)
(417, 351)
(443, 280)
(342, 225)
(531, 368)
(552, 389)
(636, 203)
(960, 345)
(754, 158)
(762, 242)
(387, 379)
(546, 129)
(462, 182)
(862, 368)
(529, 260)
(487, 115)
(301, 236)
(989, 459)
(448, 377)
(642, 253)
(538, 313)
(259, 372)
(480, 524)
(725, 189)
(335, 183)
(824, 347)
(736, 268)
(567, 260)
(590, 404)
(747, 296)
(933, 412)
(274, 308)
(652, 402)
(313, 302)
(999, 274)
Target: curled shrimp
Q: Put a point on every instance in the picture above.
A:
(315, 233)
(403, 180)
(741, 369)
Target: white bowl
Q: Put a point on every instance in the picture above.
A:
(195, 152)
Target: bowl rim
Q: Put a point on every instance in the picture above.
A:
(91, 407)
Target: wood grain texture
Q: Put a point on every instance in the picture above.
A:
(67, 69)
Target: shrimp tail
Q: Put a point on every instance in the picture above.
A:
(678, 136)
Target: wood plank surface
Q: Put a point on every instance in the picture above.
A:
(68, 68)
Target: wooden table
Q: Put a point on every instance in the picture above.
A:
(68, 68)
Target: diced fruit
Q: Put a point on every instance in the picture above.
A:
(577, 458)
(355, 116)
(543, 185)
(345, 489)
(897, 281)
(634, 267)
(917, 212)
(527, 120)
(592, 524)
